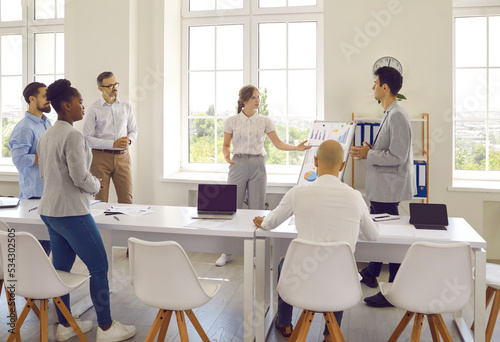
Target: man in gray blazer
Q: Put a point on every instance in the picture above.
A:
(389, 177)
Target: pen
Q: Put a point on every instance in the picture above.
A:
(381, 216)
(116, 218)
(35, 208)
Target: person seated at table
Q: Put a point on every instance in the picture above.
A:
(64, 160)
(326, 210)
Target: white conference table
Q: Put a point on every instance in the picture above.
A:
(165, 223)
(270, 246)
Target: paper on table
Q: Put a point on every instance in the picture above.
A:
(206, 224)
(130, 211)
(396, 230)
(432, 234)
(96, 212)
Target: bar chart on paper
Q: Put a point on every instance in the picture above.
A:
(343, 132)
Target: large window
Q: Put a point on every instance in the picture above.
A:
(31, 49)
(477, 93)
(273, 44)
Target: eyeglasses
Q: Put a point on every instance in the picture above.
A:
(111, 86)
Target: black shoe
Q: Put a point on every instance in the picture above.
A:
(378, 301)
(286, 332)
(367, 279)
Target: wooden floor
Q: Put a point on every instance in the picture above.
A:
(222, 317)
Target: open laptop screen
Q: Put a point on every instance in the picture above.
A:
(217, 197)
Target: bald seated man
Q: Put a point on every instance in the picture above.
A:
(325, 210)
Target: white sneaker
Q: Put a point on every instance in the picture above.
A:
(65, 333)
(117, 332)
(223, 259)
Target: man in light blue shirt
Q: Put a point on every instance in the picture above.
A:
(23, 142)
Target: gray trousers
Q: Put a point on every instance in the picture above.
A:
(249, 174)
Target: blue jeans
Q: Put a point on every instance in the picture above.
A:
(78, 235)
(285, 309)
(44, 243)
(373, 269)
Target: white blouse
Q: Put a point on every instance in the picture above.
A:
(249, 133)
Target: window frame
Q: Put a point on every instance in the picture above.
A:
(28, 27)
(250, 22)
(464, 9)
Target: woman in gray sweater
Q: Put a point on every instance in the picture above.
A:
(65, 159)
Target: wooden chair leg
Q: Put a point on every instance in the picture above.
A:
(181, 323)
(304, 330)
(417, 327)
(71, 320)
(432, 326)
(27, 308)
(44, 320)
(333, 327)
(155, 326)
(401, 326)
(164, 326)
(197, 325)
(493, 316)
(445, 334)
(489, 294)
(298, 326)
(35, 310)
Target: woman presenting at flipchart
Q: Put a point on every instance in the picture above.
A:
(247, 132)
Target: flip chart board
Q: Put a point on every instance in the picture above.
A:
(343, 132)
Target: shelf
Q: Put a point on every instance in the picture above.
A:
(425, 146)
(380, 119)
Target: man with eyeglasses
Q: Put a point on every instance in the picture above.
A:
(109, 129)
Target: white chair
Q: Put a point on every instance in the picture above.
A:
(492, 290)
(36, 279)
(433, 279)
(163, 277)
(319, 277)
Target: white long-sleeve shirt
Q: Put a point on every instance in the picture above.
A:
(104, 123)
(326, 210)
(64, 159)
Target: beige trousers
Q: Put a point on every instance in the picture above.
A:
(108, 166)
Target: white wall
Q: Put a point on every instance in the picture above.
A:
(137, 40)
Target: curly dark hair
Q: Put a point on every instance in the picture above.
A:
(60, 91)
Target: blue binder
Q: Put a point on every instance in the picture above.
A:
(374, 132)
(421, 177)
(359, 134)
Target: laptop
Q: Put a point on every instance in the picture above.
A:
(216, 201)
(428, 216)
(9, 202)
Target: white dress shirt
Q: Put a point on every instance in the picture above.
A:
(64, 159)
(104, 123)
(326, 210)
(249, 133)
